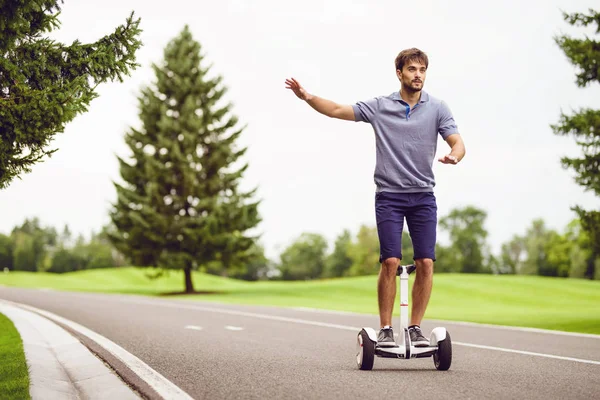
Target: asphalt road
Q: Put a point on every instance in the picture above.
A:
(217, 351)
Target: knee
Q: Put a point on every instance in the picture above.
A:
(424, 266)
(390, 265)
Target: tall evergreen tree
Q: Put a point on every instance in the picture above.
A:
(45, 84)
(180, 206)
(584, 124)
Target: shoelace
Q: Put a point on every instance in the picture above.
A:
(418, 331)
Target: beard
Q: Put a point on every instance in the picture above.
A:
(414, 86)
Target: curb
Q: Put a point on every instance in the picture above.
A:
(60, 366)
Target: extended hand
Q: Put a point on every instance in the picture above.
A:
(448, 159)
(296, 88)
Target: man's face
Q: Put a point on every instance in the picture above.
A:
(412, 76)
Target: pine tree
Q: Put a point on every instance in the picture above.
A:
(180, 206)
(584, 124)
(45, 84)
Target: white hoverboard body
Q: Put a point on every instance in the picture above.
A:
(440, 345)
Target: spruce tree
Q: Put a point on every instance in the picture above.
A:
(180, 206)
(45, 84)
(584, 124)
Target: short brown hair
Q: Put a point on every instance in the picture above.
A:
(408, 55)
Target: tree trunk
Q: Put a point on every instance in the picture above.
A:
(189, 285)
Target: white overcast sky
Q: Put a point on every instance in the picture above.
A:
(494, 63)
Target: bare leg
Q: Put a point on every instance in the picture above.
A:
(421, 290)
(386, 290)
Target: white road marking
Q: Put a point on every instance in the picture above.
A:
(527, 353)
(345, 327)
(193, 327)
(320, 310)
(234, 328)
(474, 324)
(436, 321)
(523, 329)
(241, 313)
(159, 383)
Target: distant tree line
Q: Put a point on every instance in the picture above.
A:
(33, 247)
(537, 251)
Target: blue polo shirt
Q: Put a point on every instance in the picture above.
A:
(405, 139)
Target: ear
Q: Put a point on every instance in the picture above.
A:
(399, 74)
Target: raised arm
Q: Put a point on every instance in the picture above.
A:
(457, 149)
(324, 106)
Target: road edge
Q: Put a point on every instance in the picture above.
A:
(59, 365)
(140, 376)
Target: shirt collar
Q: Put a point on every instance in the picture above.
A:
(424, 96)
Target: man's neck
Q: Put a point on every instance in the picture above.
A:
(410, 96)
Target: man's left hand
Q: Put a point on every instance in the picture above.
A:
(448, 159)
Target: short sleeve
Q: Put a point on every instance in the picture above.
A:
(446, 124)
(365, 111)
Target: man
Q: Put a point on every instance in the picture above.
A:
(406, 125)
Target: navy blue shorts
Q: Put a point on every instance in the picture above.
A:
(420, 211)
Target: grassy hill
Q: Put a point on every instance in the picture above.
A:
(532, 301)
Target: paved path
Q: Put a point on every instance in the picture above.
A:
(217, 351)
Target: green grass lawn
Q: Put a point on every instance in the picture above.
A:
(14, 377)
(531, 301)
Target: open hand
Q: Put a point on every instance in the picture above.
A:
(296, 88)
(448, 159)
